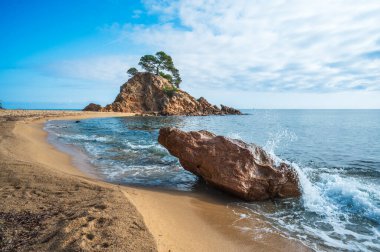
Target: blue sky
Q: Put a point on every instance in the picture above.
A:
(247, 54)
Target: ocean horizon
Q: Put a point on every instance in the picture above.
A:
(242, 109)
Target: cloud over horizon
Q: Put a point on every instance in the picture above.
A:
(274, 47)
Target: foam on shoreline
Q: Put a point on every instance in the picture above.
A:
(178, 221)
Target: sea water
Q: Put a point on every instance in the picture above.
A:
(335, 152)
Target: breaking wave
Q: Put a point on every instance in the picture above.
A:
(335, 211)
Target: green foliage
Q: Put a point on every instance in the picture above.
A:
(161, 64)
(1, 104)
(170, 90)
(132, 71)
(176, 77)
(149, 63)
(167, 76)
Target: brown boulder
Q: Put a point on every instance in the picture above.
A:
(244, 170)
(93, 107)
(229, 110)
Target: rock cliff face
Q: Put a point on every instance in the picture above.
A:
(246, 171)
(145, 93)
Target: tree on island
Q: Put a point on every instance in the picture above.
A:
(132, 71)
(159, 64)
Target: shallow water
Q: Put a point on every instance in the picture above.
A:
(336, 153)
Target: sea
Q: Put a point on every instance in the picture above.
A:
(336, 154)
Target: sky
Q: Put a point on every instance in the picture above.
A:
(281, 54)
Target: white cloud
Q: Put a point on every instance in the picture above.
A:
(292, 100)
(111, 69)
(252, 49)
(313, 46)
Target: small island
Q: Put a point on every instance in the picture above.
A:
(156, 91)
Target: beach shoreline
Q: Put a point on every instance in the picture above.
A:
(165, 220)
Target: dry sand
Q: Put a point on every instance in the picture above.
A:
(47, 204)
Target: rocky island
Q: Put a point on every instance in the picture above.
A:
(147, 93)
(158, 93)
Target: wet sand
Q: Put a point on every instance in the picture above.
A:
(73, 211)
(183, 221)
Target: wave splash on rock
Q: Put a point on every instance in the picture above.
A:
(231, 165)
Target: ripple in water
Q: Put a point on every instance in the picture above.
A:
(336, 154)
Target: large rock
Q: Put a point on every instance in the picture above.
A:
(93, 107)
(229, 110)
(246, 171)
(145, 93)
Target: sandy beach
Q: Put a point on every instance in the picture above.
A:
(48, 204)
